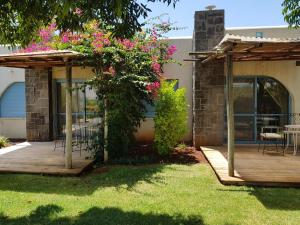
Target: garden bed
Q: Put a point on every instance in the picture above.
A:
(144, 154)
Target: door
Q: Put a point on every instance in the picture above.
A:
(258, 102)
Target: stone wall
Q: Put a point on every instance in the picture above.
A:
(38, 104)
(208, 81)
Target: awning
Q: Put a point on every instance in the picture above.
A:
(252, 49)
(45, 59)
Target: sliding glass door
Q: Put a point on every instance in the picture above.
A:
(84, 104)
(258, 102)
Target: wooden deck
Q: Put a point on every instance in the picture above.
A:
(254, 168)
(39, 158)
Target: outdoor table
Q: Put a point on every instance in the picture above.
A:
(294, 130)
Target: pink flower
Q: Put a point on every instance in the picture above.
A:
(53, 26)
(153, 88)
(156, 84)
(171, 50)
(45, 34)
(145, 48)
(98, 45)
(33, 47)
(78, 11)
(98, 34)
(156, 67)
(106, 41)
(148, 88)
(127, 44)
(112, 70)
(65, 38)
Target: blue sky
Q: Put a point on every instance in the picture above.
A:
(238, 13)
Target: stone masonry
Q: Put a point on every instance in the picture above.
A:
(208, 81)
(38, 104)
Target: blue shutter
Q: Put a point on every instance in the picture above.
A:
(12, 101)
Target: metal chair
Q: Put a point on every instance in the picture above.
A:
(60, 141)
(271, 134)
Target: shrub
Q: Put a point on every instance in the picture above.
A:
(170, 120)
(3, 141)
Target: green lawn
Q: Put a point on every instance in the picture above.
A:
(149, 195)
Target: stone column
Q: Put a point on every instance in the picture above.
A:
(208, 81)
(38, 104)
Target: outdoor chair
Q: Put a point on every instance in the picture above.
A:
(59, 142)
(269, 135)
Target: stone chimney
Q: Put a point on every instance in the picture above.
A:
(208, 29)
(208, 81)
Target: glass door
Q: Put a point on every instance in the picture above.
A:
(244, 108)
(258, 102)
(272, 104)
(84, 104)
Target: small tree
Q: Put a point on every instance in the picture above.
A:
(171, 117)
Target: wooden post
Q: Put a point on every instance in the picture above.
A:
(105, 158)
(68, 153)
(230, 114)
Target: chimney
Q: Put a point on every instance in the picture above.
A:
(208, 28)
(208, 81)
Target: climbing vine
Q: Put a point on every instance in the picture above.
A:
(128, 72)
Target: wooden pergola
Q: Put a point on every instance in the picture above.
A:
(235, 48)
(48, 59)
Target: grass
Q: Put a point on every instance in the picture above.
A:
(148, 195)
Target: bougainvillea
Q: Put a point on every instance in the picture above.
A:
(127, 71)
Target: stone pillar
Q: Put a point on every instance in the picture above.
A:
(208, 81)
(38, 83)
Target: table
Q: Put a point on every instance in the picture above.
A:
(293, 130)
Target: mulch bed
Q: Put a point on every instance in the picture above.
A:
(180, 155)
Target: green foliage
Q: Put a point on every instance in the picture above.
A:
(3, 141)
(291, 12)
(20, 20)
(125, 111)
(127, 72)
(171, 117)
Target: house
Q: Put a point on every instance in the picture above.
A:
(255, 105)
(12, 101)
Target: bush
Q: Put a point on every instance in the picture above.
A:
(3, 141)
(170, 120)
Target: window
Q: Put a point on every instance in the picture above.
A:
(12, 101)
(150, 109)
(259, 34)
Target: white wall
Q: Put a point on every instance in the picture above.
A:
(11, 127)
(184, 73)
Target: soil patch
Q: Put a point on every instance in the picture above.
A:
(180, 155)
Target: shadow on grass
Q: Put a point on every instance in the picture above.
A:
(49, 215)
(118, 177)
(273, 198)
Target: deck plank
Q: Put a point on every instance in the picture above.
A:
(39, 158)
(254, 168)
